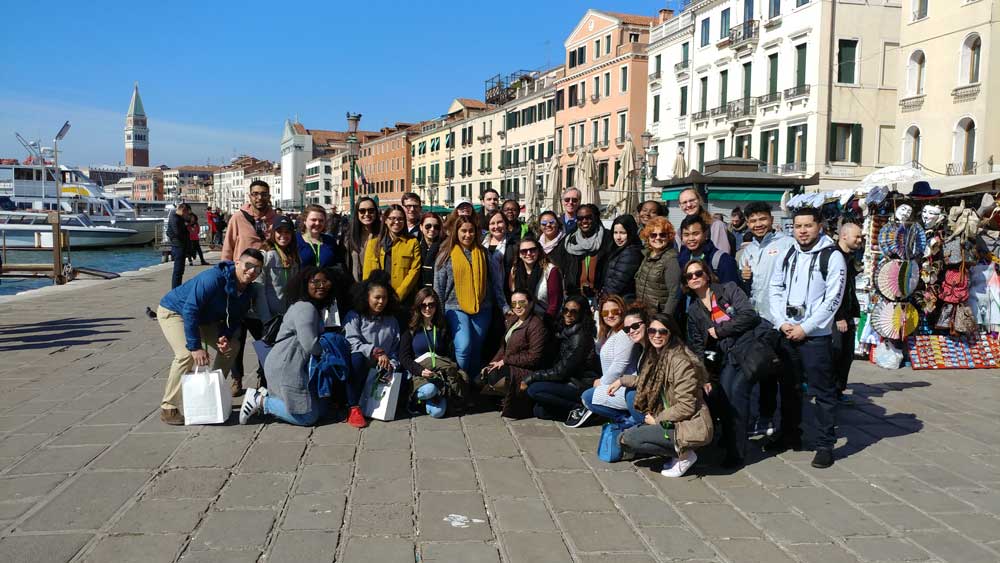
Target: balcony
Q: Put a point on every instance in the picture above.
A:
(912, 103)
(594, 98)
(682, 67)
(484, 138)
(744, 34)
(700, 115)
(719, 111)
(620, 141)
(580, 103)
(797, 92)
(421, 181)
(682, 122)
(965, 93)
(961, 168)
(769, 99)
(741, 109)
(602, 144)
(655, 76)
(769, 168)
(793, 168)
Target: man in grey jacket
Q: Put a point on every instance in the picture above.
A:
(805, 293)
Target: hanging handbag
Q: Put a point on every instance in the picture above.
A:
(271, 328)
(755, 351)
(955, 288)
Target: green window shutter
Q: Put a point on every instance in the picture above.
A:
(831, 152)
(724, 81)
(857, 136)
(772, 74)
(847, 60)
(684, 100)
(790, 146)
(747, 79)
(803, 149)
(764, 146)
(800, 65)
(656, 109)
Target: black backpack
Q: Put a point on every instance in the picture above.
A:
(824, 260)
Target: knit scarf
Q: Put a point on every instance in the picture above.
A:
(579, 245)
(470, 278)
(549, 245)
(652, 384)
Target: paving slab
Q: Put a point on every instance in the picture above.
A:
(379, 550)
(523, 515)
(452, 517)
(255, 491)
(87, 503)
(136, 549)
(599, 531)
(64, 459)
(323, 511)
(455, 552)
(157, 516)
(138, 452)
(240, 530)
(188, 483)
(304, 546)
(51, 548)
(531, 547)
(382, 520)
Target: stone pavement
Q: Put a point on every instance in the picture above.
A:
(88, 473)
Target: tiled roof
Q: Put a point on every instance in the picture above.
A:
(472, 104)
(631, 18)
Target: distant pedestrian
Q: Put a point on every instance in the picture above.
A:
(213, 227)
(850, 240)
(194, 234)
(178, 236)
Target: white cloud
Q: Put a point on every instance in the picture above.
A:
(97, 136)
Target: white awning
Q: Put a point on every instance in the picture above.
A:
(969, 183)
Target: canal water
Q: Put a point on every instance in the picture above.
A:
(116, 260)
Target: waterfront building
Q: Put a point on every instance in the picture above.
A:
(121, 188)
(148, 185)
(386, 163)
(528, 134)
(136, 132)
(807, 87)
(945, 86)
(108, 176)
(231, 182)
(298, 147)
(175, 179)
(323, 183)
(197, 190)
(601, 99)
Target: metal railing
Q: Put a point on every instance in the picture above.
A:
(719, 111)
(797, 92)
(770, 168)
(772, 98)
(655, 75)
(961, 168)
(700, 115)
(682, 66)
(743, 33)
(793, 168)
(620, 140)
(739, 109)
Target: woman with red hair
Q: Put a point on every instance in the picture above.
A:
(658, 281)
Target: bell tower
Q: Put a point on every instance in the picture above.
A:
(136, 132)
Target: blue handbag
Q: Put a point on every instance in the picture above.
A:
(609, 449)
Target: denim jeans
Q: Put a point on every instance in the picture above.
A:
(354, 386)
(611, 414)
(553, 399)
(179, 255)
(275, 406)
(468, 332)
(809, 361)
(650, 439)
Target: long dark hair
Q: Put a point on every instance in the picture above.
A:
(586, 317)
(710, 279)
(674, 339)
(354, 242)
(378, 278)
(436, 217)
(519, 273)
(384, 235)
(298, 287)
(417, 318)
(452, 239)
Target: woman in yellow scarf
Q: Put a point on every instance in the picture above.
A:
(470, 285)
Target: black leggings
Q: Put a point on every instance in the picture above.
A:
(256, 329)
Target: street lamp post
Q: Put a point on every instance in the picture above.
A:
(352, 151)
(57, 267)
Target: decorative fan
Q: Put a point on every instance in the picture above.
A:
(911, 240)
(897, 279)
(888, 239)
(895, 321)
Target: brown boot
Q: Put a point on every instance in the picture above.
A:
(237, 386)
(172, 417)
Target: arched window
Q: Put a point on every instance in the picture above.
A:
(912, 146)
(964, 150)
(916, 73)
(971, 52)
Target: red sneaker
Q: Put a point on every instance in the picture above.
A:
(356, 419)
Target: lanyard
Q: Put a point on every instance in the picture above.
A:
(432, 345)
(315, 248)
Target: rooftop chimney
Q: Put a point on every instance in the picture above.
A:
(664, 15)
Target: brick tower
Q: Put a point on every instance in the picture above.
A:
(136, 132)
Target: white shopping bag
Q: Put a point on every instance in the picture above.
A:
(381, 394)
(205, 397)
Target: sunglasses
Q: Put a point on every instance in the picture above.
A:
(611, 313)
(519, 303)
(571, 200)
(432, 227)
(658, 236)
(695, 274)
(251, 267)
(320, 283)
(570, 311)
(366, 211)
(426, 306)
(634, 326)
(548, 223)
(657, 332)
(395, 219)
(526, 251)
(581, 218)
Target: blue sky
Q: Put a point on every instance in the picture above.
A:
(220, 77)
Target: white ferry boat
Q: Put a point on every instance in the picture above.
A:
(27, 230)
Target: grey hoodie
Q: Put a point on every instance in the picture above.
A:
(763, 257)
(820, 298)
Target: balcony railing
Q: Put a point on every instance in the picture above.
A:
(682, 66)
(581, 102)
(620, 140)
(797, 92)
(719, 111)
(743, 33)
(484, 138)
(766, 99)
(421, 181)
(655, 75)
(682, 122)
(700, 115)
(770, 168)
(595, 98)
(965, 93)
(793, 168)
(961, 168)
(912, 103)
(602, 143)
(740, 109)
(434, 179)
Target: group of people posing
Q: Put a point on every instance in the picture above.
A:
(638, 323)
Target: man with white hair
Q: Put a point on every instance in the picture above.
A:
(571, 202)
(849, 241)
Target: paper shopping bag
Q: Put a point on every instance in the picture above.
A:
(381, 394)
(205, 397)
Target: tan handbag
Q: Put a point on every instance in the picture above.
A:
(696, 431)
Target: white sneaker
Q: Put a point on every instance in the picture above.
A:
(680, 467)
(253, 403)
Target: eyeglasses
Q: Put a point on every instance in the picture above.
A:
(634, 326)
(320, 283)
(251, 267)
(582, 218)
(366, 211)
(519, 303)
(657, 332)
(432, 227)
(695, 274)
(395, 219)
(658, 236)
(426, 306)
(571, 311)
(526, 251)
(571, 200)
(260, 194)
(549, 223)
(611, 313)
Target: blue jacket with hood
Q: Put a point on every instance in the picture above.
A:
(727, 270)
(212, 296)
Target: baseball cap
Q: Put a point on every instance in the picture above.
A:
(282, 222)
(461, 202)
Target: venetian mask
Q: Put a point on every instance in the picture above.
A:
(903, 213)
(931, 215)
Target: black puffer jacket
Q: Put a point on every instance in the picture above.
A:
(735, 303)
(429, 255)
(623, 261)
(177, 232)
(577, 362)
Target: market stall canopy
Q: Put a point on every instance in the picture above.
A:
(735, 179)
(971, 183)
(891, 175)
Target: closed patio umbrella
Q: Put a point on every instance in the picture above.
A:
(530, 192)
(625, 189)
(680, 166)
(586, 175)
(555, 186)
